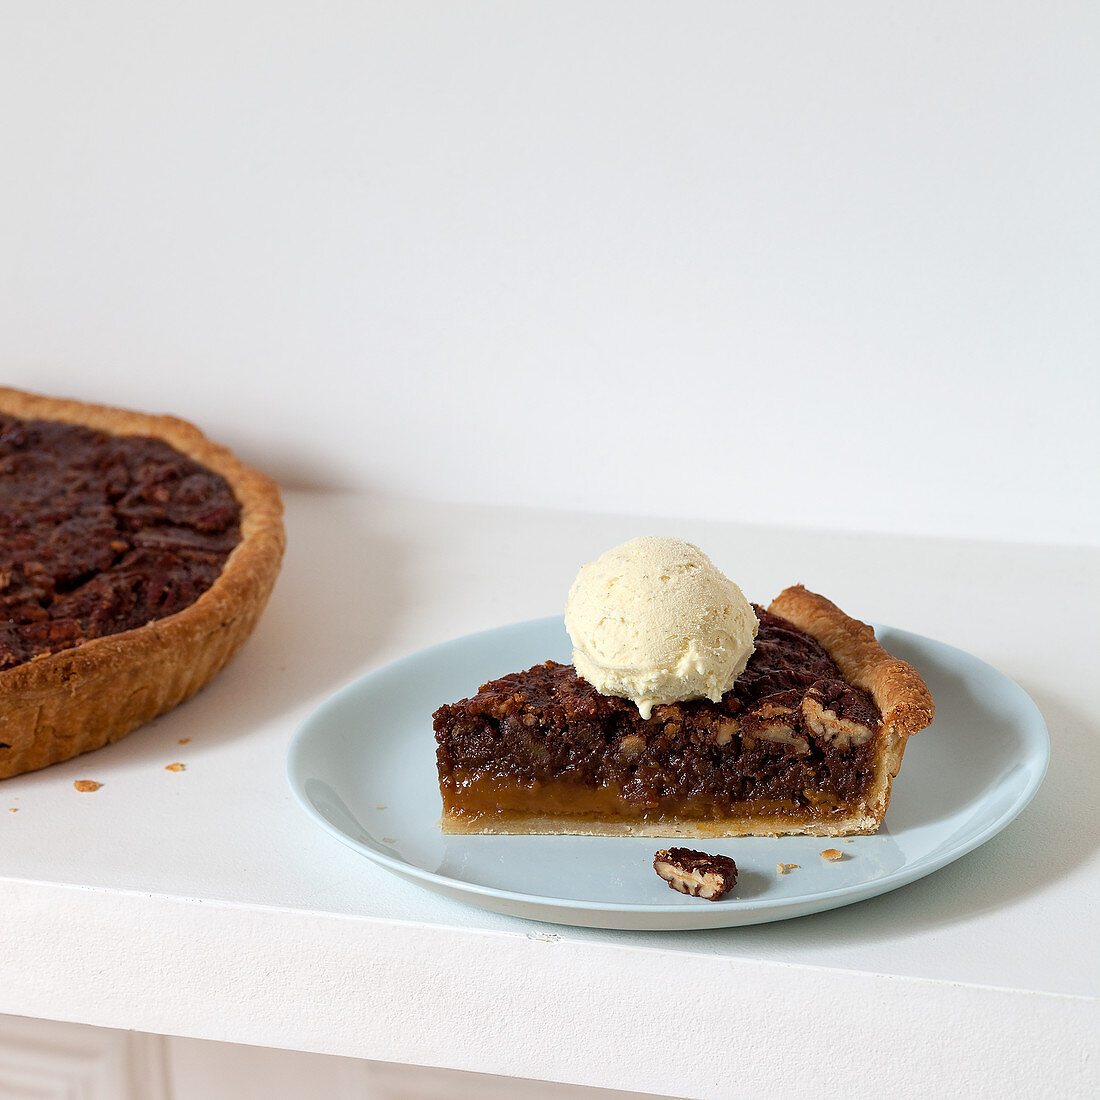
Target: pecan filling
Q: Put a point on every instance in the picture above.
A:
(101, 534)
(791, 736)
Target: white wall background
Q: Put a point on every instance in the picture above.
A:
(826, 264)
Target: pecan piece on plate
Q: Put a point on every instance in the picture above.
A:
(696, 873)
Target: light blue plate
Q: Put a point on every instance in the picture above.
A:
(363, 768)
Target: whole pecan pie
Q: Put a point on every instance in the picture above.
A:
(135, 558)
(807, 741)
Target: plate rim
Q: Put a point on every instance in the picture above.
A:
(1036, 758)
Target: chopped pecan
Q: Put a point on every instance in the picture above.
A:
(776, 723)
(829, 726)
(631, 746)
(726, 729)
(696, 873)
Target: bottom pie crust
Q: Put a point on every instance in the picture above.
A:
(59, 705)
(896, 687)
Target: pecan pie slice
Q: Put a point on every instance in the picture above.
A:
(807, 741)
(135, 558)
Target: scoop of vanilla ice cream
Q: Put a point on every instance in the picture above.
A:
(654, 621)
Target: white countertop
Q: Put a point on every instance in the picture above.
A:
(205, 903)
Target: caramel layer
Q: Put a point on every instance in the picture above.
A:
(473, 799)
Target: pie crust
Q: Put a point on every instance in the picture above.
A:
(896, 687)
(59, 705)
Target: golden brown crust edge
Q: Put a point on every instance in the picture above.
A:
(56, 707)
(743, 825)
(898, 690)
